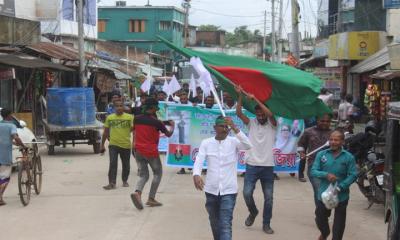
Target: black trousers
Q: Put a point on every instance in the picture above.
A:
(125, 155)
(302, 167)
(322, 215)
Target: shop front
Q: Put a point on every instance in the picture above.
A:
(7, 75)
(376, 80)
(23, 79)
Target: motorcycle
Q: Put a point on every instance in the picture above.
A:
(370, 161)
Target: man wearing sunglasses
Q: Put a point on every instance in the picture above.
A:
(221, 154)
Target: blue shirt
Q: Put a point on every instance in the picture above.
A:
(7, 131)
(343, 167)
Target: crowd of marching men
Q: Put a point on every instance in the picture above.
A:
(171, 92)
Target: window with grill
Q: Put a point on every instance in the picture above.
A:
(101, 25)
(137, 25)
(165, 25)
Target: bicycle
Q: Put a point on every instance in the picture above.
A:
(29, 173)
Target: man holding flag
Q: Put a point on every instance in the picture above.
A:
(259, 159)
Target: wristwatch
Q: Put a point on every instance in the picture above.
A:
(338, 189)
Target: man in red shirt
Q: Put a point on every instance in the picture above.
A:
(146, 137)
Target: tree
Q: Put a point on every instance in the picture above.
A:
(209, 27)
(241, 34)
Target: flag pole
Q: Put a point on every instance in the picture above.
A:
(214, 92)
(222, 97)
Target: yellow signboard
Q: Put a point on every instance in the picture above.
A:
(353, 45)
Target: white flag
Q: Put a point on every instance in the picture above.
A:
(204, 74)
(146, 85)
(206, 82)
(166, 88)
(205, 88)
(192, 86)
(174, 85)
(198, 65)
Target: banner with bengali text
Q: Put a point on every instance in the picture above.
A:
(195, 123)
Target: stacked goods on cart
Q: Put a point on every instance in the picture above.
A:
(71, 106)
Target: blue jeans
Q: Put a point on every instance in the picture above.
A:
(315, 182)
(220, 212)
(266, 177)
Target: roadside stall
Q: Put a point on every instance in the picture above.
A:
(384, 88)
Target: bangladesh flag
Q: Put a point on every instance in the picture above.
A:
(287, 91)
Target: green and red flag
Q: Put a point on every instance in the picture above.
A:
(287, 91)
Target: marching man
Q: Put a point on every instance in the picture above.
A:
(221, 186)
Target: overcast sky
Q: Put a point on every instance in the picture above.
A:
(233, 13)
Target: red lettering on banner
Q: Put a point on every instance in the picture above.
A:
(282, 159)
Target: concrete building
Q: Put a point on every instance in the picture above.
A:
(60, 23)
(139, 26)
(336, 16)
(349, 32)
(210, 38)
(18, 25)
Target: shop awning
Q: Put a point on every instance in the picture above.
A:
(26, 61)
(311, 60)
(58, 51)
(110, 66)
(387, 74)
(152, 70)
(377, 60)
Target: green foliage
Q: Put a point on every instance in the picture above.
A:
(241, 35)
(209, 27)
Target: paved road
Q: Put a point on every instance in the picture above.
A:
(74, 206)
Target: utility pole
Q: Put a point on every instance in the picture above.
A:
(127, 59)
(273, 38)
(186, 6)
(81, 42)
(280, 31)
(265, 35)
(295, 29)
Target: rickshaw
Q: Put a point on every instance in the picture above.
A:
(392, 172)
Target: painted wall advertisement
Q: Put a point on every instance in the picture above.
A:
(193, 124)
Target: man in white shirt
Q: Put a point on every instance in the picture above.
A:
(259, 159)
(326, 97)
(228, 102)
(221, 153)
(346, 108)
